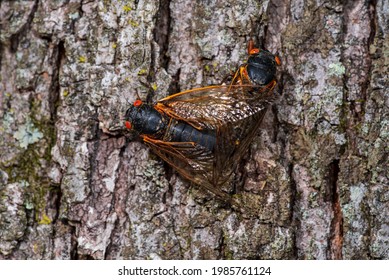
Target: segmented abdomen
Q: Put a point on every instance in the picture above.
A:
(179, 131)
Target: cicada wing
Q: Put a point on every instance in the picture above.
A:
(196, 107)
(233, 112)
(192, 161)
(215, 106)
(233, 140)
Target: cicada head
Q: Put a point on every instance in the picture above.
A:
(144, 119)
(261, 67)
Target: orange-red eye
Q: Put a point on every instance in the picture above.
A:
(137, 103)
(128, 124)
(278, 60)
(254, 51)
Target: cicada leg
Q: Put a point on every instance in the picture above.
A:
(241, 76)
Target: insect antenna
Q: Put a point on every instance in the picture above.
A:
(137, 95)
(255, 30)
(150, 91)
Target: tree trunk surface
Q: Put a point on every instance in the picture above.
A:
(74, 185)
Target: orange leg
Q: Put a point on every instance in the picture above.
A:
(148, 139)
(278, 60)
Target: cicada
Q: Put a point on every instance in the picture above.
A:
(260, 68)
(204, 132)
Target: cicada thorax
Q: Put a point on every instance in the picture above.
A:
(145, 119)
(260, 68)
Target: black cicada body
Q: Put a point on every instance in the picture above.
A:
(146, 120)
(260, 68)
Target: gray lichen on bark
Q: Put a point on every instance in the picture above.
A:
(74, 185)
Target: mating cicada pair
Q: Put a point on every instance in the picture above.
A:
(204, 132)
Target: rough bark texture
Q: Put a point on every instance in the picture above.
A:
(72, 186)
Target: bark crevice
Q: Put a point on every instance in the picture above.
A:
(336, 231)
(161, 32)
(17, 37)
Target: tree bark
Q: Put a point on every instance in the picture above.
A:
(74, 185)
